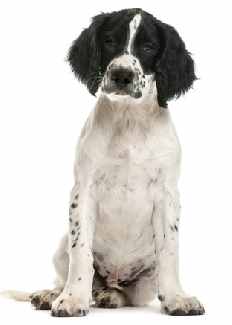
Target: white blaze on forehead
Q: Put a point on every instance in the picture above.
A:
(133, 27)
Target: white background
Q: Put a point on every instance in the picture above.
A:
(42, 109)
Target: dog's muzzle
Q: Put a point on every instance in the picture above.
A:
(122, 81)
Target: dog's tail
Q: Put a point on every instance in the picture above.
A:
(16, 295)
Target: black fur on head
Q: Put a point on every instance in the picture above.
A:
(158, 47)
(175, 67)
(85, 55)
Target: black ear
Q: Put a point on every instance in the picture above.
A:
(85, 55)
(175, 67)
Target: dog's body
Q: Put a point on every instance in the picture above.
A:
(124, 209)
(127, 159)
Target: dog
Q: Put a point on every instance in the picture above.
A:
(122, 244)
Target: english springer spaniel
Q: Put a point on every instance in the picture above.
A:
(122, 244)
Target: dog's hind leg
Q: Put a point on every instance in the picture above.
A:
(42, 300)
(109, 298)
(105, 297)
(61, 262)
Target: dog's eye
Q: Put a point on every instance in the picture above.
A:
(148, 48)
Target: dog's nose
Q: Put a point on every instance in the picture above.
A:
(122, 77)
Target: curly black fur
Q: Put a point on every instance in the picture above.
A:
(84, 55)
(175, 68)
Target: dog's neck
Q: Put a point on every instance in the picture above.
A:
(126, 115)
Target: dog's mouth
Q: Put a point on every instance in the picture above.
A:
(123, 93)
(130, 90)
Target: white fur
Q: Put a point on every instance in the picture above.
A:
(133, 27)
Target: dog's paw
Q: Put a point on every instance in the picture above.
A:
(67, 305)
(182, 306)
(42, 300)
(109, 298)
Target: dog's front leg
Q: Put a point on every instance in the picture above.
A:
(77, 293)
(166, 227)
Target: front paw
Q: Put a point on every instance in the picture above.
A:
(182, 306)
(67, 305)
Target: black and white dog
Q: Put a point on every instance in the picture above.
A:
(122, 245)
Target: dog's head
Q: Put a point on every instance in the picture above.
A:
(131, 53)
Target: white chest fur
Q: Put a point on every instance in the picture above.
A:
(126, 151)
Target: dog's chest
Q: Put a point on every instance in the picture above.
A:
(123, 185)
(123, 178)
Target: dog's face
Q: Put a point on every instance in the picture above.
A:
(131, 53)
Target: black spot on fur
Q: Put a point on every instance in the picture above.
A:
(161, 297)
(73, 205)
(99, 256)
(76, 239)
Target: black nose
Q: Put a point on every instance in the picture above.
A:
(121, 77)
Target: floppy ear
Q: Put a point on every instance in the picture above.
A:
(85, 56)
(175, 67)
